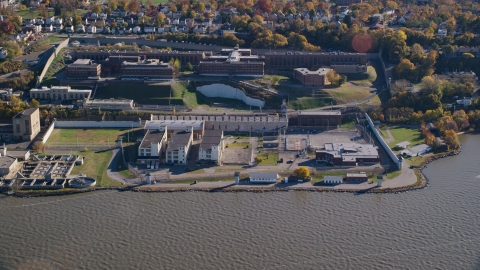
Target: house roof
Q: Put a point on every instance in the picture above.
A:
(356, 175)
(211, 137)
(26, 112)
(333, 178)
(152, 136)
(403, 144)
(174, 125)
(179, 138)
(265, 175)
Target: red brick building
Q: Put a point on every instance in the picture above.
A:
(150, 68)
(311, 78)
(82, 69)
(348, 154)
(313, 60)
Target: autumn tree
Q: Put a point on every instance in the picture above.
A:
(97, 9)
(34, 103)
(301, 172)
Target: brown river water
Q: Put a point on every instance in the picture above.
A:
(433, 228)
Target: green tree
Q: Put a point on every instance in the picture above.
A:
(34, 103)
(189, 66)
(258, 160)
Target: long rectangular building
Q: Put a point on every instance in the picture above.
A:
(193, 58)
(313, 60)
(348, 154)
(60, 93)
(151, 68)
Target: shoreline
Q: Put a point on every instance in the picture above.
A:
(420, 184)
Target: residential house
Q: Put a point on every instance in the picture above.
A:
(356, 177)
(81, 28)
(160, 30)
(47, 28)
(3, 53)
(190, 22)
(50, 20)
(149, 29)
(137, 30)
(92, 29)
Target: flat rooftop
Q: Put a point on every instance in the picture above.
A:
(319, 113)
(211, 137)
(82, 62)
(6, 162)
(173, 125)
(178, 139)
(26, 112)
(320, 71)
(152, 136)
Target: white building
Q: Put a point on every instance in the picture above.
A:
(92, 29)
(149, 29)
(327, 179)
(442, 32)
(81, 28)
(3, 53)
(464, 102)
(111, 104)
(137, 30)
(60, 93)
(212, 146)
(263, 177)
(152, 146)
(179, 147)
(417, 150)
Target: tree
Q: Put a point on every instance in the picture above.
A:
(97, 9)
(258, 160)
(6, 28)
(467, 55)
(301, 172)
(189, 66)
(38, 146)
(451, 139)
(113, 4)
(34, 103)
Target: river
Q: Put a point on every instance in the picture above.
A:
(433, 228)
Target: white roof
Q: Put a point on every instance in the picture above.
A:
(265, 175)
(403, 144)
(333, 178)
(419, 148)
(174, 125)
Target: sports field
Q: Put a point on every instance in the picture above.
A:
(90, 136)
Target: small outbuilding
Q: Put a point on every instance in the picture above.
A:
(356, 177)
(417, 150)
(332, 179)
(263, 177)
(403, 145)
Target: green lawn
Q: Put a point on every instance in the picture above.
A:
(121, 168)
(57, 65)
(416, 161)
(317, 177)
(95, 165)
(349, 123)
(363, 79)
(269, 158)
(308, 103)
(347, 94)
(45, 43)
(90, 136)
(392, 175)
(401, 134)
(242, 145)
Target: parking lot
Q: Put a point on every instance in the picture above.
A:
(299, 141)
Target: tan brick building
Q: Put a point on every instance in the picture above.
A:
(26, 124)
(150, 68)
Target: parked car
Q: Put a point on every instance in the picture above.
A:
(280, 160)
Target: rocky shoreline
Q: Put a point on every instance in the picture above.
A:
(422, 183)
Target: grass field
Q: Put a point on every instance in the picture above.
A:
(401, 134)
(394, 174)
(347, 94)
(121, 168)
(57, 65)
(241, 145)
(89, 136)
(416, 161)
(45, 44)
(95, 165)
(363, 79)
(271, 160)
